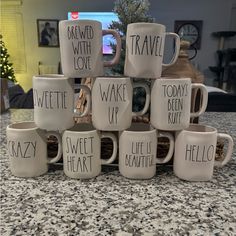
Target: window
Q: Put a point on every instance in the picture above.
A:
(13, 33)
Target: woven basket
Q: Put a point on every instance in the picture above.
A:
(106, 143)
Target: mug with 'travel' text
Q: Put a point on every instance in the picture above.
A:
(145, 44)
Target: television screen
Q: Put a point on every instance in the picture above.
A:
(105, 18)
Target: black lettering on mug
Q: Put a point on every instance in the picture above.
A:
(174, 91)
(147, 45)
(81, 164)
(175, 101)
(21, 149)
(79, 32)
(82, 63)
(82, 48)
(113, 92)
(141, 154)
(197, 153)
(50, 99)
(79, 145)
(138, 161)
(174, 117)
(113, 115)
(137, 147)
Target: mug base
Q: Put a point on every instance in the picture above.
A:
(195, 178)
(27, 175)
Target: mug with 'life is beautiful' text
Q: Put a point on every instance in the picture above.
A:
(138, 150)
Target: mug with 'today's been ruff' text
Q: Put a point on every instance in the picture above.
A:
(171, 103)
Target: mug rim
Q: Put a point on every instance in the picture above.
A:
(73, 130)
(113, 77)
(209, 129)
(146, 23)
(51, 76)
(129, 130)
(16, 126)
(174, 79)
(79, 20)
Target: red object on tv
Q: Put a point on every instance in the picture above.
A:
(74, 15)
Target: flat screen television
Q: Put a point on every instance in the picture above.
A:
(105, 18)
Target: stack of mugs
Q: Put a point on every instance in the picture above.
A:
(110, 102)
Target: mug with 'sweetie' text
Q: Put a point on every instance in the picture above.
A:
(145, 44)
(27, 149)
(195, 149)
(81, 48)
(54, 101)
(82, 151)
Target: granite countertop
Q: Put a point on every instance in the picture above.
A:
(110, 204)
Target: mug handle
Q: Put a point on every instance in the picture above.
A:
(148, 98)
(59, 152)
(171, 148)
(114, 140)
(177, 47)
(204, 99)
(88, 98)
(229, 150)
(116, 58)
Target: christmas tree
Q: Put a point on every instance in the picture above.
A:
(130, 11)
(6, 68)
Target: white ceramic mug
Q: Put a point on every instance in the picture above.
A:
(171, 103)
(27, 149)
(54, 102)
(81, 48)
(82, 151)
(112, 102)
(138, 150)
(145, 48)
(195, 149)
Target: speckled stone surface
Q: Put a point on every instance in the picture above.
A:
(54, 204)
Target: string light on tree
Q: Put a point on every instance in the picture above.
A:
(6, 68)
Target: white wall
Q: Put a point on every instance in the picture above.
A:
(49, 9)
(214, 13)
